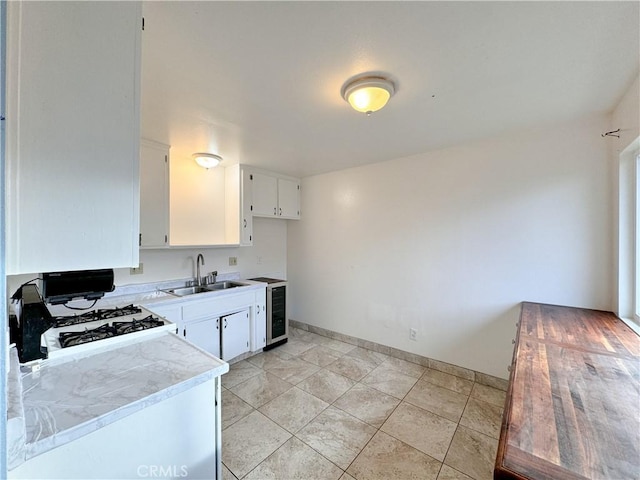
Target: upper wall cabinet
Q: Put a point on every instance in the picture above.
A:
(72, 130)
(238, 201)
(154, 194)
(275, 196)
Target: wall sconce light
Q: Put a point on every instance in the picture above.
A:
(207, 160)
(368, 93)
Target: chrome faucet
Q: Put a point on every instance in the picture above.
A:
(198, 277)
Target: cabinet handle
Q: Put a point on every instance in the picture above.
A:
(274, 210)
(280, 211)
(257, 308)
(245, 223)
(513, 342)
(225, 323)
(184, 332)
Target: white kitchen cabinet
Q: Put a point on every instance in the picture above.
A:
(204, 333)
(288, 198)
(265, 195)
(202, 319)
(154, 194)
(236, 334)
(260, 321)
(275, 195)
(72, 133)
(238, 200)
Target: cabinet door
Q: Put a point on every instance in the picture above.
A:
(288, 198)
(265, 195)
(72, 132)
(236, 332)
(154, 194)
(260, 321)
(204, 334)
(246, 206)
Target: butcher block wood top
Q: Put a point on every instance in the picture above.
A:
(573, 405)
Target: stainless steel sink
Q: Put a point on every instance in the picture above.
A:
(212, 287)
(223, 285)
(182, 291)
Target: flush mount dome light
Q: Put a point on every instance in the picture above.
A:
(207, 160)
(368, 93)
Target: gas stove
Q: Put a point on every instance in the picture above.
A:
(73, 334)
(94, 315)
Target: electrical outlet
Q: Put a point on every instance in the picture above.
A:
(413, 334)
(139, 270)
(233, 261)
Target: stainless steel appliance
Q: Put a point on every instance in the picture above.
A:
(277, 311)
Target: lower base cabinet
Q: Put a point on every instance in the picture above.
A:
(224, 326)
(236, 334)
(225, 337)
(204, 334)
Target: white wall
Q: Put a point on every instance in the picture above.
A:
(450, 242)
(267, 256)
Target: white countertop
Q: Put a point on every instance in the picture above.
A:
(65, 400)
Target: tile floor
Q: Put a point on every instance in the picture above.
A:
(318, 408)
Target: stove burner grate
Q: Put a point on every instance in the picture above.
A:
(135, 325)
(70, 339)
(93, 315)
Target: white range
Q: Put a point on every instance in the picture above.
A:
(101, 328)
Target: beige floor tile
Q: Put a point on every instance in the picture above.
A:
(402, 366)
(295, 461)
(472, 453)
(441, 401)
(226, 474)
(261, 389)
(337, 435)
(293, 370)
(326, 385)
(346, 476)
(293, 409)
(367, 404)
(368, 355)
(447, 380)
(249, 441)
(294, 347)
(238, 373)
(233, 408)
(482, 417)
(489, 394)
(448, 473)
(351, 367)
(387, 458)
(390, 381)
(321, 356)
(270, 358)
(334, 344)
(426, 431)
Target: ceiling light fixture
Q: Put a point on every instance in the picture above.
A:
(368, 93)
(207, 160)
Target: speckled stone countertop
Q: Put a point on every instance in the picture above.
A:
(65, 400)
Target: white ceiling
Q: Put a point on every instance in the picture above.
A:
(259, 82)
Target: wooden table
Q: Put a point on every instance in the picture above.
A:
(573, 405)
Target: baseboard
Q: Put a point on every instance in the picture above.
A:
(479, 377)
